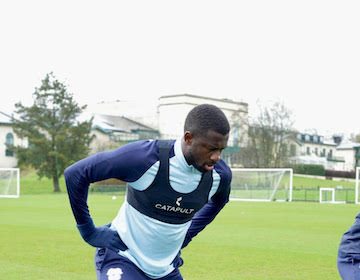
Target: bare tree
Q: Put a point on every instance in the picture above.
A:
(355, 137)
(268, 137)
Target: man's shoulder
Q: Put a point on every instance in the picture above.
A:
(139, 156)
(146, 145)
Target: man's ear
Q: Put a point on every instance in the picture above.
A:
(188, 137)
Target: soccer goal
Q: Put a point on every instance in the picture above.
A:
(328, 195)
(9, 182)
(261, 184)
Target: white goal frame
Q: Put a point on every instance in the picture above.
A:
(357, 170)
(333, 200)
(290, 191)
(331, 190)
(17, 195)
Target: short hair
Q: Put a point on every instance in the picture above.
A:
(205, 117)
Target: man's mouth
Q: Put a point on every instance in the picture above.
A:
(209, 167)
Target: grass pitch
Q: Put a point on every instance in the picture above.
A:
(39, 240)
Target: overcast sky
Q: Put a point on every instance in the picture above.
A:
(305, 54)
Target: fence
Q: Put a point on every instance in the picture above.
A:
(312, 194)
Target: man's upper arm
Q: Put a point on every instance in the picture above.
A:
(126, 163)
(221, 197)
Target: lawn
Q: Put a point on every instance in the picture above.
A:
(248, 240)
(295, 240)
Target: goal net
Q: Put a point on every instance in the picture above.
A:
(261, 184)
(9, 182)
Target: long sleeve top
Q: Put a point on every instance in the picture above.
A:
(152, 242)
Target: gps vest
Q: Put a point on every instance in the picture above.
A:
(161, 202)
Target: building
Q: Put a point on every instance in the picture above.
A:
(111, 131)
(313, 144)
(330, 152)
(8, 137)
(167, 116)
(172, 110)
(349, 152)
(119, 122)
(141, 111)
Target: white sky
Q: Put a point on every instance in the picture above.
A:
(303, 53)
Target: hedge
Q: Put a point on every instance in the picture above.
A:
(340, 174)
(309, 169)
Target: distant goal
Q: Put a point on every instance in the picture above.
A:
(261, 184)
(328, 195)
(9, 182)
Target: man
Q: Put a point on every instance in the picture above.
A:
(349, 252)
(175, 188)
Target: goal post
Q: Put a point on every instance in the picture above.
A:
(261, 184)
(323, 196)
(9, 182)
(328, 195)
(357, 200)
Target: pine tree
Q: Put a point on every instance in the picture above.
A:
(56, 138)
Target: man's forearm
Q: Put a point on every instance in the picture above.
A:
(77, 192)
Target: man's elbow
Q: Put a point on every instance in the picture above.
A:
(68, 172)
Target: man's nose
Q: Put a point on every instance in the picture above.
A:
(215, 156)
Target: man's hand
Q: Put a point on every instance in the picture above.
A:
(178, 261)
(101, 237)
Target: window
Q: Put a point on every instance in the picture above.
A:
(308, 150)
(316, 151)
(330, 154)
(323, 153)
(9, 141)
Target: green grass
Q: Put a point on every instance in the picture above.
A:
(31, 184)
(305, 188)
(39, 240)
(246, 241)
(308, 182)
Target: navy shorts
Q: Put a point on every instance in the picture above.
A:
(349, 270)
(111, 266)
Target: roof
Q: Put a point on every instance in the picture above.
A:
(205, 97)
(316, 139)
(348, 146)
(109, 123)
(5, 118)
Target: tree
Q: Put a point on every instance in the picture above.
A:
(55, 136)
(355, 138)
(268, 137)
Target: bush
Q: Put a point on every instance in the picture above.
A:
(340, 174)
(309, 169)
